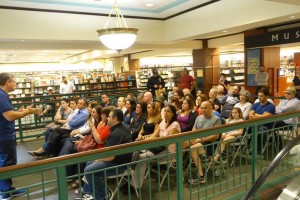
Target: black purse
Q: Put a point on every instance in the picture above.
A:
(157, 150)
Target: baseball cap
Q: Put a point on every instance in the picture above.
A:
(49, 88)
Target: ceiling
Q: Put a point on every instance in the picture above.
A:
(55, 30)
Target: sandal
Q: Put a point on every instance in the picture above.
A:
(75, 184)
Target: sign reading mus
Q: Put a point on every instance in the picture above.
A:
(285, 36)
(273, 38)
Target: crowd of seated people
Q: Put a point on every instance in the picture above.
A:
(144, 118)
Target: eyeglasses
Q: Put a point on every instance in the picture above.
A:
(288, 92)
(12, 81)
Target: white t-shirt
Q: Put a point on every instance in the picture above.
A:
(66, 88)
(261, 78)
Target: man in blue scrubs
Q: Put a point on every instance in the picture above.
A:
(8, 152)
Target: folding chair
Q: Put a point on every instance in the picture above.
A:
(212, 161)
(122, 176)
(239, 143)
(168, 160)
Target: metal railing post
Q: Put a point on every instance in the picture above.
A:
(179, 170)
(254, 153)
(62, 183)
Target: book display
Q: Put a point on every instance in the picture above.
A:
(233, 68)
(36, 83)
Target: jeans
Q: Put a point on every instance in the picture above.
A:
(98, 178)
(8, 157)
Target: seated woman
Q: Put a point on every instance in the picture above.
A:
(201, 98)
(152, 122)
(179, 94)
(77, 132)
(61, 117)
(244, 103)
(187, 116)
(167, 127)
(236, 115)
(138, 120)
(100, 135)
(130, 112)
(174, 101)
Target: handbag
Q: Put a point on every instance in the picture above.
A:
(160, 90)
(157, 150)
(87, 143)
(53, 125)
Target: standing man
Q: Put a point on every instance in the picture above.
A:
(261, 78)
(155, 82)
(186, 81)
(262, 109)
(66, 87)
(96, 181)
(8, 145)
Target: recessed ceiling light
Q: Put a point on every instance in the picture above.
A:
(22, 40)
(225, 31)
(292, 17)
(150, 4)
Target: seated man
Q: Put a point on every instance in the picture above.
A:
(206, 120)
(262, 109)
(96, 182)
(229, 101)
(105, 100)
(61, 134)
(291, 103)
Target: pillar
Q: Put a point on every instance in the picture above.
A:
(206, 66)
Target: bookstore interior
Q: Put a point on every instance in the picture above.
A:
(109, 74)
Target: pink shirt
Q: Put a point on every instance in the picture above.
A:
(164, 132)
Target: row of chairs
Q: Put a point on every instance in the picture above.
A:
(240, 147)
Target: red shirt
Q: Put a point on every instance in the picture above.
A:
(103, 131)
(186, 82)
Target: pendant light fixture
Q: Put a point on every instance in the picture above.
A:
(118, 38)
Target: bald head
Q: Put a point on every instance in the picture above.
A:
(148, 97)
(207, 109)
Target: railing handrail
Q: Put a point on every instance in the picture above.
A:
(261, 179)
(130, 147)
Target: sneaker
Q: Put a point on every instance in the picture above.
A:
(85, 197)
(15, 193)
(197, 179)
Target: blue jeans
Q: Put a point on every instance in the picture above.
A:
(98, 177)
(47, 134)
(8, 157)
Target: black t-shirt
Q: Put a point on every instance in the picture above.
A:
(119, 134)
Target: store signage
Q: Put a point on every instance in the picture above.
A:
(253, 60)
(273, 38)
